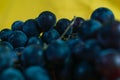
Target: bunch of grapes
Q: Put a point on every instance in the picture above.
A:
(77, 49)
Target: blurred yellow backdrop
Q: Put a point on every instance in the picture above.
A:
(12, 10)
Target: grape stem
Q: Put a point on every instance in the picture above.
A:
(70, 25)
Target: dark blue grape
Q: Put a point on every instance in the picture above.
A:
(57, 52)
(7, 57)
(12, 74)
(77, 23)
(18, 39)
(77, 47)
(61, 26)
(84, 71)
(17, 25)
(108, 64)
(32, 55)
(6, 44)
(103, 15)
(35, 41)
(91, 50)
(109, 35)
(5, 33)
(30, 28)
(89, 29)
(50, 36)
(46, 20)
(36, 73)
(73, 42)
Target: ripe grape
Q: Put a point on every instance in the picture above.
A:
(17, 25)
(77, 24)
(35, 41)
(5, 33)
(36, 73)
(12, 74)
(32, 55)
(108, 35)
(57, 52)
(7, 57)
(50, 35)
(6, 44)
(61, 26)
(18, 39)
(89, 29)
(103, 15)
(84, 71)
(46, 20)
(30, 28)
(108, 63)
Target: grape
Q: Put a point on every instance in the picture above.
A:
(32, 55)
(12, 74)
(46, 20)
(50, 36)
(89, 29)
(77, 47)
(84, 71)
(108, 63)
(17, 25)
(7, 57)
(18, 39)
(91, 50)
(6, 44)
(36, 73)
(61, 26)
(31, 28)
(103, 15)
(5, 33)
(77, 24)
(108, 35)
(35, 40)
(57, 52)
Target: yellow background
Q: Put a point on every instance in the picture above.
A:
(12, 10)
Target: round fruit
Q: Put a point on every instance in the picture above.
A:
(108, 63)
(50, 36)
(36, 73)
(89, 29)
(30, 28)
(12, 74)
(17, 25)
(46, 20)
(32, 55)
(62, 25)
(5, 33)
(35, 41)
(57, 52)
(103, 15)
(18, 39)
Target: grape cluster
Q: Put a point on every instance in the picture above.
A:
(77, 49)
